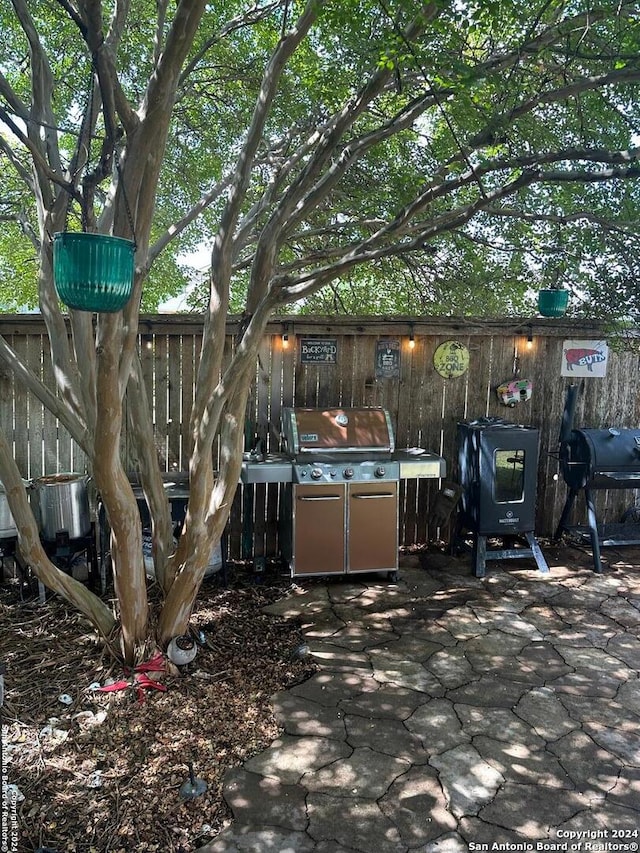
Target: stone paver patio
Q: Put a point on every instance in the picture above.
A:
(451, 712)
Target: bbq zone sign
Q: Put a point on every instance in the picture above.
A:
(584, 358)
(318, 350)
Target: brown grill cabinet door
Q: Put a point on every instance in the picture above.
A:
(373, 527)
(319, 528)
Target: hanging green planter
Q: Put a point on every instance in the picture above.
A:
(553, 303)
(93, 272)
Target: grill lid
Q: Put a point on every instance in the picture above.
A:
(310, 432)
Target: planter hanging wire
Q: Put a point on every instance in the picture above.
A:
(91, 271)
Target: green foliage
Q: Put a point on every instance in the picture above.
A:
(18, 271)
(499, 89)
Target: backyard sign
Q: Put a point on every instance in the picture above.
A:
(388, 359)
(451, 359)
(318, 351)
(584, 358)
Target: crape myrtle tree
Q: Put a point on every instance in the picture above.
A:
(307, 143)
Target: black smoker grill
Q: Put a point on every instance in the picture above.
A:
(498, 464)
(592, 459)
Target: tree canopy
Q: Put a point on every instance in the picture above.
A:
(510, 120)
(438, 156)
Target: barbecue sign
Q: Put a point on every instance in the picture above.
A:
(451, 359)
(584, 358)
(388, 359)
(318, 350)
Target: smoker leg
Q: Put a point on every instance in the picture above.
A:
(479, 555)
(537, 553)
(568, 505)
(593, 530)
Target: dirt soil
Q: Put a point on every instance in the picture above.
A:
(104, 772)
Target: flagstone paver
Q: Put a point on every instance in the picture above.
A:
(289, 757)
(469, 782)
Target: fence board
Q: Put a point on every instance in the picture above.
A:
(161, 398)
(53, 461)
(288, 381)
(6, 399)
(405, 426)
(174, 420)
(21, 413)
(425, 432)
(186, 394)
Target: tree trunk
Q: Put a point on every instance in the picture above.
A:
(197, 540)
(141, 430)
(117, 494)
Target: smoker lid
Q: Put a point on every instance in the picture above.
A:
(608, 450)
(312, 431)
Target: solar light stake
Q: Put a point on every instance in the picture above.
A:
(193, 787)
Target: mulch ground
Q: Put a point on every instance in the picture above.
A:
(103, 773)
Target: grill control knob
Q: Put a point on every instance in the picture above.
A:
(316, 473)
(347, 473)
(380, 471)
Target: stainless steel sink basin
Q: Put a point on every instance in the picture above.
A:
(274, 468)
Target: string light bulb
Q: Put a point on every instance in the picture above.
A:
(412, 339)
(285, 337)
(530, 338)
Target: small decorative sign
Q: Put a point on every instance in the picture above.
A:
(584, 358)
(451, 359)
(514, 391)
(388, 359)
(318, 350)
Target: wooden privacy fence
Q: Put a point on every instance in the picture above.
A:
(366, 362)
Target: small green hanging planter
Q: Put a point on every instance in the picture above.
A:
(93, 272)
(553, 303)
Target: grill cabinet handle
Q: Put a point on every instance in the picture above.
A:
(374, 497)
(319, 497)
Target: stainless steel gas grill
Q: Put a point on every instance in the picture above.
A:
(340, 472)
(593, 459)
(341, 512)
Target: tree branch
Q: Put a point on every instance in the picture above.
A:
(298, 287)
(628, 229)
(178, 227)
